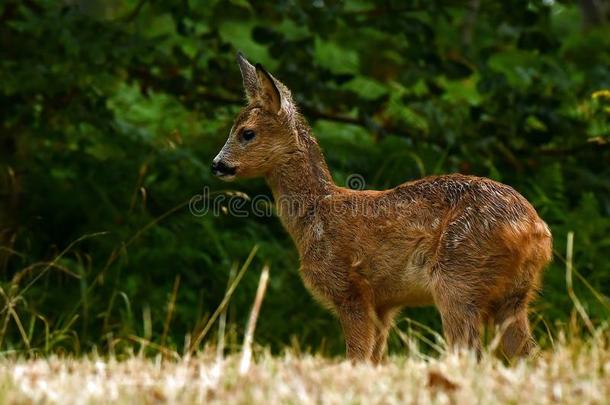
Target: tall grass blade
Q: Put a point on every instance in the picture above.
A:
(246, 358)
(220, 348)
(225, 301)
(170, 309)
(570, 285)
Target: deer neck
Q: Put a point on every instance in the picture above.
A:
(298, 185)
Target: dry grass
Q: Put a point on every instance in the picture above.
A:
(573, 373)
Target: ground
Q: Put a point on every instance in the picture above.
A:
(569, 373)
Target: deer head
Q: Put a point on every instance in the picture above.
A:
(263, 135)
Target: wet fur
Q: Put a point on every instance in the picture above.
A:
(473, 247)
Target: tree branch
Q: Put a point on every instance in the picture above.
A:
(135, 12)
(470, 19)
(383, 129)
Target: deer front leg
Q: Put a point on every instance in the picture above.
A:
(359, 329)
(383, 324)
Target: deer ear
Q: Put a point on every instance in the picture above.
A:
(268, 91)
(248, 75)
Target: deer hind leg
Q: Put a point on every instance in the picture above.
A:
(461, 323)
(383, 323)
(511, 318)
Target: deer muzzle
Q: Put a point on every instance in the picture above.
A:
(220, 168)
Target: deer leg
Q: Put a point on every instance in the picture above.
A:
(512, 319)
(382, 329)
(358, 323)
(517, 339)
(461, 324)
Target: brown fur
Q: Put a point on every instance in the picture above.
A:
(471, 246)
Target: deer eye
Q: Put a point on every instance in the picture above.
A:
(248, 135)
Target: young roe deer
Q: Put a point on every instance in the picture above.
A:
(473, 247)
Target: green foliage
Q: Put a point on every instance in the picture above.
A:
(112, 111)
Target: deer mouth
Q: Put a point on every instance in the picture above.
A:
(223, 171)
(226, 177)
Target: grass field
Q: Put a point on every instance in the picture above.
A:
(570, 369)
(576, 372)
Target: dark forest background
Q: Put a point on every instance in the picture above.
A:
(111, 111)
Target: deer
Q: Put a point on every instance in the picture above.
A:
(472, 247)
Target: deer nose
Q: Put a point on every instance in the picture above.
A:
(220, 168)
